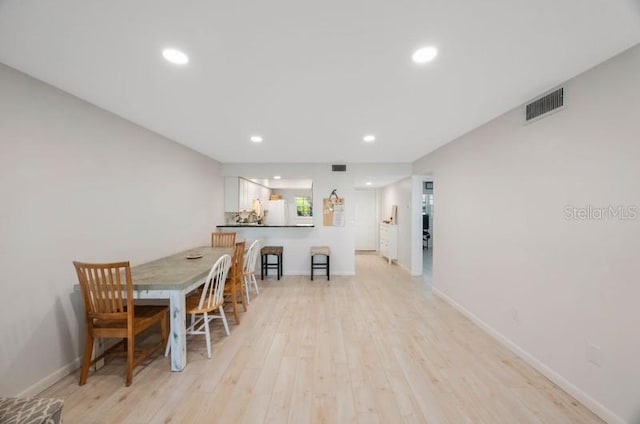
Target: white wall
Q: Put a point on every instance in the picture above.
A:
(78, 183)
(400, 194)
(506, 252)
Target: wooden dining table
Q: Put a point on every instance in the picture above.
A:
(172, 277)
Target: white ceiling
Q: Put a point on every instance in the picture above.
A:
(312, 77)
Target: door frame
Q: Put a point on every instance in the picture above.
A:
(417, 188)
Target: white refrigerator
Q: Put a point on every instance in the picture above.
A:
(277, 212)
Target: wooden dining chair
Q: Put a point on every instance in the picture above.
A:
(201, 305)
(234, 289)
(107, 293)
(222, 239)
(249, 272)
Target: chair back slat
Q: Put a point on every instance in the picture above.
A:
(237, 262)
(109, 290)
(223, 239)
(114, 288)
(212, 292)
(252, 256)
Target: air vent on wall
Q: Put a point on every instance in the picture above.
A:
(339, 168)
(545, 104)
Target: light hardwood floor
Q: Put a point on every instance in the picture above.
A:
(378, 347)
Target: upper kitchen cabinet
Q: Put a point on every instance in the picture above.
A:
(239, 194)
(231, 194)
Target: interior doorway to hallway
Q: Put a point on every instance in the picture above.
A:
(366, 220)
(427, 230)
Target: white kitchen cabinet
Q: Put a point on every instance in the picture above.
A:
(240, 193)
(254, 193)
(389, 241)
(264, 195)
(245, 195)
(231, 194)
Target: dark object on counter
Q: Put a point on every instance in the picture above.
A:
(265, 265)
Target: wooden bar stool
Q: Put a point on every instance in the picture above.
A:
(265, 265)
(318, 251)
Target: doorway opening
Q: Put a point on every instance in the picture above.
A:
(366, 220)
(427, 230)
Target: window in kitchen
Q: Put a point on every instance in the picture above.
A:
(303, 206)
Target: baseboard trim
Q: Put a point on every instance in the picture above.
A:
(588, 401)
(51, 379)
(405, 267)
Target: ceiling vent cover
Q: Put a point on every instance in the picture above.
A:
(545, 104)
(339, 168)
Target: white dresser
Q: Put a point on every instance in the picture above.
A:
(389, 241)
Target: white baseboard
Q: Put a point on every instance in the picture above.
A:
(591, 403)
(51, 379)
(406, 268)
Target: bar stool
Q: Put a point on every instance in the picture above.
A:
(265, 265)
(320, 250)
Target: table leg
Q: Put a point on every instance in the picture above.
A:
(177, 337)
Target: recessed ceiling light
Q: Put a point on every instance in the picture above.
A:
(369, 138)
(256, 139)
(276, 177)
(368, 183)
(424, 54)
(175, 56)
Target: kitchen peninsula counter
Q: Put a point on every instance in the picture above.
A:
(296, 240)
